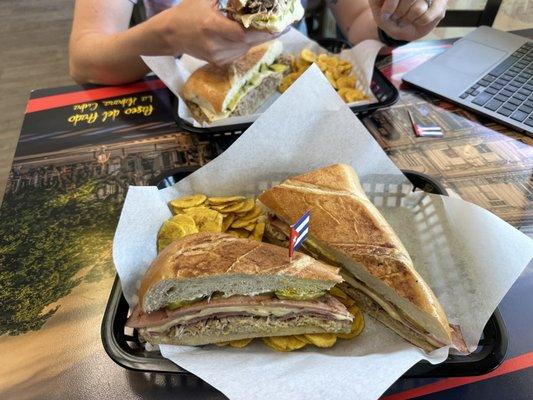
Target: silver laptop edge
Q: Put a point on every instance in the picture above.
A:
(454, 71)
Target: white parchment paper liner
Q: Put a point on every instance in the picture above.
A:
(469, 256)
(175, 72)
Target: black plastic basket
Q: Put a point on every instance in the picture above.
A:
(123, 346)
(384, 91)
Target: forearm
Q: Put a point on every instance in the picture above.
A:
(103, 50)
(354, 18)
(362, 27)
(97, 57)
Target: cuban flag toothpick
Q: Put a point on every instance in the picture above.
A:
(299, 231)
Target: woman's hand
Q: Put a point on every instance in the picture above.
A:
(198, 28)
(103, 49)
(407, 19)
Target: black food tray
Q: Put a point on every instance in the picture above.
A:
(123, 346)
(384, 91)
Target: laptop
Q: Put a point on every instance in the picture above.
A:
(487, 71)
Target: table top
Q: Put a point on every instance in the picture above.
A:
(79, 150)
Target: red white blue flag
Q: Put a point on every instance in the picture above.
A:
(299, 232)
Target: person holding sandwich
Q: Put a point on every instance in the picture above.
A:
(105, 50)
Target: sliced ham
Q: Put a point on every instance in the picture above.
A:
(326, 306)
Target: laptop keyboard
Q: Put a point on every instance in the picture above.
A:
(508, 88)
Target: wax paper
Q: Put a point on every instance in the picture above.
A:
(467, 255)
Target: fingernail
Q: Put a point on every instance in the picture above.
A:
(385, 16)
(403, 24)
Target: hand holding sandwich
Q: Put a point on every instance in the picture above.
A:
(408, 19)
(198, 28)
(105, 50)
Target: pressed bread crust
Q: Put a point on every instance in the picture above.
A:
(210, 254)
(345, 220)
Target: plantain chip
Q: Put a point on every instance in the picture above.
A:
(332, 61)
(250, 227)
(212, 226)
(174, 229)
(341, 296)
(285, 343)
(322, 339)
(240, 233)
(231, 207)
(238, 344)
(301, 64)
(272, 345)
(259, 230)
(228, 220)
(336, 75)
(222, 344)
(253, 214)
(201, 217)
(238, 223)
(192, 210)
(294, 343)
(247, 218)
(357, 327)
(187, 201)
(322, 66)
(246, 206)
(358, 323)
(284, 85)
(302, 338)
(186, 222)
(350, 94)
(217, 201)
(323, 57)
(308, 56)
(345, 68)
(346, 81)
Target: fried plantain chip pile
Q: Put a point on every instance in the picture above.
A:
(337, 71)
(236, 215)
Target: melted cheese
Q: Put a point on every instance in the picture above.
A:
(386, 306)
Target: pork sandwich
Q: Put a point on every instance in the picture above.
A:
(347, 230)
(213, 92)
(271, 15)
(211, 288)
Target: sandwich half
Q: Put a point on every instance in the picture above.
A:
(347, 230)
(213, 92)
(211, 288)
(271, 15)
